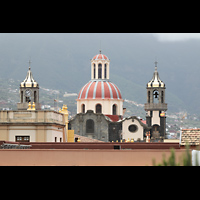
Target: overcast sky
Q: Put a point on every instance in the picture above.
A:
(176, 36)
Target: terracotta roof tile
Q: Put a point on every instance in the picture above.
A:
(192, 136)
(86, 139)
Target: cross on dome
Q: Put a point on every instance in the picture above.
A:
(29, 64)
(156, 65)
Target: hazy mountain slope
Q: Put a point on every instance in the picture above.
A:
(62, 61)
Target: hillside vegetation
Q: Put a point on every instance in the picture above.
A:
(62, 62)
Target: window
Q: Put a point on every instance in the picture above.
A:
(156, 96)
(162, 97)
(98, 108)
(22, 138)
(105, 71)
(149, 93)
(60, 139)
(55, 139)
(155, 129)
(114, 109)
(28, 99)
(21, 96)
(83, 108)
(133, 128)
(35, 97)
(89, 126)
(94, 71)
(99, 71)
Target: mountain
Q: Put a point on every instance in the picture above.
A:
(62, 61)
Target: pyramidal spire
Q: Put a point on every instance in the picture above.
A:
(29, 80)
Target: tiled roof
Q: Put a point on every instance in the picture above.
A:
(114, 118)
(192, 136)
(100, 57)
(100, 90)
(86, 139)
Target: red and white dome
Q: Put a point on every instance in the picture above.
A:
(100, 57)
(99, 94)
(99, 89)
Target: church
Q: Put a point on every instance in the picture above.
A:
(100, 108)
(99, 112)
(29, 123)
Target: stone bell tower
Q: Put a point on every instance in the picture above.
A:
(29, 92)
(156, 107)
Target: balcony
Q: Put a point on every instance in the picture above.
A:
(155, 106)
(31, 117)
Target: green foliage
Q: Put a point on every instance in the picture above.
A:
(187, 158)
(185, 161)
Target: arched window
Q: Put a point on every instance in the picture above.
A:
(149, 93)
(162, 97)
(94, 71)
(156, 96)
(83, 108)
(114, 109)
(98, 108)
(35, 97)
(89, 126)
(105, 71)
(99, 71)
(155, 128)
(21, 96)
(28, 99)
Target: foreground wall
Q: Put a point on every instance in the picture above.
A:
(81, 157)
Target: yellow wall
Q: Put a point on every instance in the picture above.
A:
(70, 136)
(4, 133)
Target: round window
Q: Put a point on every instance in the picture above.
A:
(133, 128)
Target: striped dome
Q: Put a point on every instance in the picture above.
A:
(100, 90)
(100, 57)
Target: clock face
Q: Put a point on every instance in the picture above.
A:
(28, 93)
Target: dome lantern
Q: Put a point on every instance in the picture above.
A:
(100, 65)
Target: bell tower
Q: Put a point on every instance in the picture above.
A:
(29, 92)
(156, 107)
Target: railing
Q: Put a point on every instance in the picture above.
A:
(154, 106)
(30, 117)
